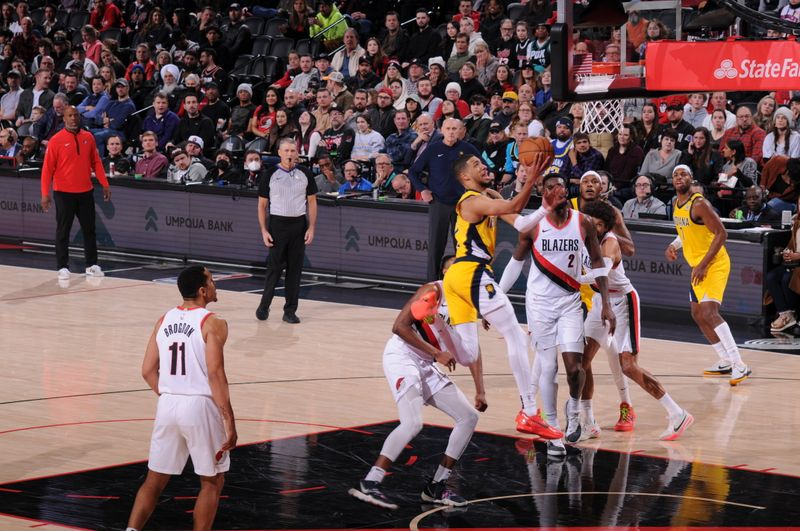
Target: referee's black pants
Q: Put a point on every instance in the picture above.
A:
(288, 251)
(441, 223)
(68, 205)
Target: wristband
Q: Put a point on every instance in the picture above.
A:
(677, 243)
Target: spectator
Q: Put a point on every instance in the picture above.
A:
(194, 148)
(563, 149)
(751, 136)
(478, 122)
(193, 123)
(50, 23)
(238, 38)
(338, 139)
(308, 137)
(782, 279)
(161, 121)
(514, 188)
(83, 67)
(378, 61)
(183, 170)
(26, 42)
(254, 172)
(116, 156)
(467, 27)
(719, 102)
(287, 215)
(717, 128)
(10, 100)
(779, 177)
(67, 169)
(398, 145)
(540, 48)
(91, 45)
(364, 77)
(384, 173)
(491, 20)
(425, 42)
(465, 10)
(285, 128)
(143, 59)
(211, 72)
(140, 88)
(662, 161)
(342, 98)
(510, 106)
(644, 202)
(74, 92)
(307, 71)
(442, 190)
(393, 38)
(403, 189)
(105, 16)
(152, 164)
(755, 208)
(636, 28)
(486, 65)
(460, 56)
(346, 60)
(329, 179)
(494, 152)
(695, 111)
(297, 25)
(215, 42)
(504, 46)
(117, 112)
(782, 139)
(8, 143)
(322, 114)
(649, 129)
(328, 15)
(765, 112)
(676, 123)
(738, 164)
(382, 116)
(224, 172)
(453, 95)
(38, 95)
(426, 134)
(31, 152)
(240, 115)
(704, 161)
(353, 181)
(367, 143)
(522, 47)
(428, 101)
(519, 132)
(53, 120)
(623, 162)
(264, 118)
(587, 158)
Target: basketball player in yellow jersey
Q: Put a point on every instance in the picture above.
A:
(470, 289)
(702, 237)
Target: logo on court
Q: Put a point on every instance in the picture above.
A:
(726, 70)
(352, 237)
(151, 218)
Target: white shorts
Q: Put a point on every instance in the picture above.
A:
(404, 369)
(626, 310)
(556, 322)
(188, 425)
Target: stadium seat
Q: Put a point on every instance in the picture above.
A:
(240, 67)
(515, 11)
(77, 20)
(273, 27)
(281, 47)
(62, 16)
(256, 25)
(37, 15)
(262, 45)
(111, 33)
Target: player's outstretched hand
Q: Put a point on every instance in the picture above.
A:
(446, 359)
(541, 161)
(480, 402)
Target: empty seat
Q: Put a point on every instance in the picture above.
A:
(262, 45)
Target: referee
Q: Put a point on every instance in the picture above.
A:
(443, 189)
(287, 214)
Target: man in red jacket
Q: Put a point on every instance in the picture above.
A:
(68, 163)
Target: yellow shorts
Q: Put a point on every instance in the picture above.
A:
(470, 291)
(712, 288)
(587, 294)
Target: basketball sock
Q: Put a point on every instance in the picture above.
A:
(573, 406)
(548, 382)
(588, 414)
(620, 380)
(673, 409)
(505, 322)
(376, 473)
(441, 474)
(721, 351)
(723, 331)
(131, 529)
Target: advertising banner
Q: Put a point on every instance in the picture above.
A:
(722, 66)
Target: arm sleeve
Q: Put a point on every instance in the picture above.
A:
(529, 221)
(510, 274)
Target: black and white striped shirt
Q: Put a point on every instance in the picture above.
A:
(287, 190)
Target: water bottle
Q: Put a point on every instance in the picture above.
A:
(786, 218)
(375, 193)
(111, 169)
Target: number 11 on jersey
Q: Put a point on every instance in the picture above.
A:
(174, 349)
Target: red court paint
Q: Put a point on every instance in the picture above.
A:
(295, 491)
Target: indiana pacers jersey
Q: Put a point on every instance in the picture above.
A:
(557, 258)
(695, 237)
(182, 352)
(474, 240)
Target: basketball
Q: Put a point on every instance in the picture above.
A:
(529, 147)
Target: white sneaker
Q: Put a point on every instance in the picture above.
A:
(721, 367)
(556, 448)
(94, 271)
(63, 274)
(590, 431)
(739, 373)
(677, 426)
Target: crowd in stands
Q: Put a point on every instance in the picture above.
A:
(202, 92)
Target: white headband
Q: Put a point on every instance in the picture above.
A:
(590, 173)
(683, 167)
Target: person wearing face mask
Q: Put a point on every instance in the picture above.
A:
(224, 172)
(253, 169)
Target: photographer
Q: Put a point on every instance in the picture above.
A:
(783, 282)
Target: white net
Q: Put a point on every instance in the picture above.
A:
(602, 116)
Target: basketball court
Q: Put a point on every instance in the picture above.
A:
(313, 408)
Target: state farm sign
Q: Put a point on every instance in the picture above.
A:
(727, 65)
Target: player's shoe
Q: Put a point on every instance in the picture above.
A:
(677, 426)
(719, 368)
(94, 271)
(627, 418)
(556, 448)
(590, 431)
(573, 432)
(536, 425)
(785, 320)
(63, 274)
(370, 492)
(739, 373)
(438, 493)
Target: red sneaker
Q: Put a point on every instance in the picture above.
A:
(627, 418)
(536, 425)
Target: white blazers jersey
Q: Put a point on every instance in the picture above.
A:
(182, 353)
(557, 258)
(618, 281)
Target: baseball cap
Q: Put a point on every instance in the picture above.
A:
(194, 139)
(387, 91)
(395, 63)
(676, 102)
(322, 55)
(121, 81)
(211, 85)
(564, 121)
(413, 97)
(13, 73)
(138, 67)
(510, 95)
(495, 127)
(363, 60)
(438, 60)
(338, 77)
(235, 7)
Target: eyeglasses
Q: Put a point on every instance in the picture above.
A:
(642, 185)
(383, 163)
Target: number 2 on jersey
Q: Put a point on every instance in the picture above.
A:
(174, 348)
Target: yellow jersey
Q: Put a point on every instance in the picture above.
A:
(474, 240)
(695, 237)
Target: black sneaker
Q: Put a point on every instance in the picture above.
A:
(291, 318)
(370, 492)
(437, 492)
(262, 313)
